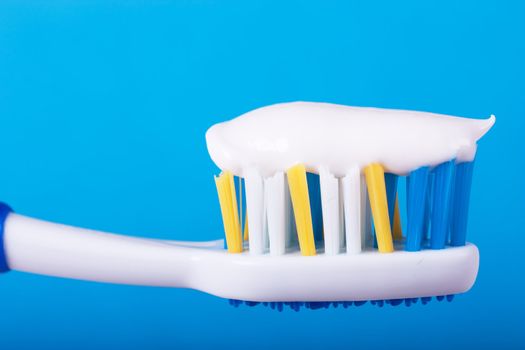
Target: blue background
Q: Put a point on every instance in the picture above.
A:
(104, 106)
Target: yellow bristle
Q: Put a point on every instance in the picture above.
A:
(301, 206)
(375, 181)
(230, 215)
(398, 231)
(241, 217)
(246, 233)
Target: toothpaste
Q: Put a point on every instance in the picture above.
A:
(339, 138)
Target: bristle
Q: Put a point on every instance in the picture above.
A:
(246, 232)
(462, 184)
(255, 209)
(352, 209)
(442, 193)
(281, 210)
(375, 180)
(398, 231)
(301, 204)
(243, 214)
(391, 194)
(239, 190)
(230, 216)
(319, 305)
(391, 181)
(366, 215)
(332, 218)
(416, 197)
(428, 206)
(314, 193)
(291, 233)
(276, 212)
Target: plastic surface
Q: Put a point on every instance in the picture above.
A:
(4, 212)
(58, 250)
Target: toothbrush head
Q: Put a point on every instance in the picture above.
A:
(311, 212)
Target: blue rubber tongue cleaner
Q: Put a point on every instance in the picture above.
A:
(437, 202)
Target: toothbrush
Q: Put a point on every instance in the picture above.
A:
(309, 202)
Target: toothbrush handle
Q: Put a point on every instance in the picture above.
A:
(46, 248)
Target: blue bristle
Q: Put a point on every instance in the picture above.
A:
(425, 300)
(317, 305)
(462, 184)
(395, 302)
(235, 303)
(237, 181)
(314, 191)
(416, 196)
(314, 305)
(442, 194)
(428, 207)
(391, 192)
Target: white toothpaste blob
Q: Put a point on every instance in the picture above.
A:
(338, 138)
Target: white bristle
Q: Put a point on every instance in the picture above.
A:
(275, 195)
(341, 214)
(255, 208)
(352, 210)
(332, 218)
(366, 216)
